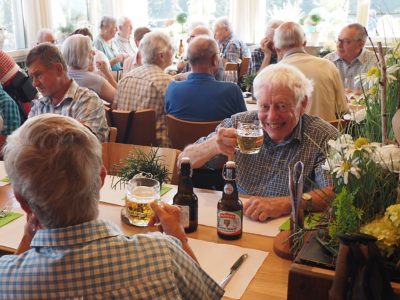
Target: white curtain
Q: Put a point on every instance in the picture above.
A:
(135, 10)
(37, 15)
(248, 20)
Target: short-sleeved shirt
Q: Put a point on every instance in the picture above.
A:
(361, 64)
(94, 260)
(144, 88)
(266, 173)
(79, 103)
(9, 112)
(110, 49)
(125, 45)
(87, 79)
(202, 98)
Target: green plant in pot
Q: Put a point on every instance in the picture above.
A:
(150, 164)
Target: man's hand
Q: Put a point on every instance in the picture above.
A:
(263, 208)
(226, 141)
(31, 227)
(267, 45)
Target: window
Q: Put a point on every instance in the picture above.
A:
(12, 34)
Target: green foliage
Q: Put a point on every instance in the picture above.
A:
(140, 162)
(315, 18)
(248, 81)
(181, 18)
(346, 217)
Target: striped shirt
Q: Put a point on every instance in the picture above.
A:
(79, 103)
(144, 88)
(361, 64)
(94, 260)
(266, 173)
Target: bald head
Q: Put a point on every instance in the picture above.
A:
(200, 30)
(202, 51)
(289, 35)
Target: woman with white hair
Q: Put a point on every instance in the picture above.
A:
(105, 42)
(78, 54)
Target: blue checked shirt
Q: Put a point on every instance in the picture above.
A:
(257, 57)
(95, 260)
(79, 103)
(233, 49)
(266, 173)
(9, 112)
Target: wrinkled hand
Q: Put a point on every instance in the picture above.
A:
(226, 141)
(267, 45)
(263, 208)
(120, 57)
(169, 217)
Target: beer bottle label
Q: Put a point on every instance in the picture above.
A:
(228, 189)
(229, 222)
(184, 215)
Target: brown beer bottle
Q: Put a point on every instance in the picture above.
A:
(230, 208)
(181, 49)
(185, 198)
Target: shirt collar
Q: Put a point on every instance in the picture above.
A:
(362, 57)
(69, 95)
(123, 39)
(296, 134)
(293, 51)
(201, 76)
(73, 235)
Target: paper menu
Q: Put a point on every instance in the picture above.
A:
(217, 259)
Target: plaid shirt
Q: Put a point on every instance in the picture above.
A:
(144, 88)
(233, 49)
(9, 112)
(95, 260)
(361, 64)
(79, 103)
(266, 173)
(257, 57)
(125, 45)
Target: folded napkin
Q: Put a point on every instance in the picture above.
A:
(11, 216)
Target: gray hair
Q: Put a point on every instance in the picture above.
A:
(106, 21)
(42, 33)
(54, 163)
(284, 75)
(271, 26)
(152, 44)
(201, 30)
(76, 49)
(289, 35)
(361, 32)
(224, 22)
(201, 50)
(122, 20)
(47, 53)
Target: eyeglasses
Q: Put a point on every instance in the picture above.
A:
(345, 41)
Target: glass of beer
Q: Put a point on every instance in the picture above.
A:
(249, 137)
(140, 193)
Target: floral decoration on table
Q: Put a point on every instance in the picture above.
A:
(365, 177)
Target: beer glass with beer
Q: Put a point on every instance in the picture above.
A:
(140, 193)
(249, 137)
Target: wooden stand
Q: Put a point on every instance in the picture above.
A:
(282, 245)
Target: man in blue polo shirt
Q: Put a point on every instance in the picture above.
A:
(201, 98)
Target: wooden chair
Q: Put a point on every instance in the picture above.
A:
(114, 153)
(230, 66)
(133, 127)
(182, 133)
(112, 135)
(244, 67)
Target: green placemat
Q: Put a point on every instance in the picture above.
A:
(165, 189)
(5, 179)
(9, 218)
(309, 222)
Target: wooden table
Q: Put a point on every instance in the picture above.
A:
(270, 282)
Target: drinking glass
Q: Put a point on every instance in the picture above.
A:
(249, 137)
(139, 194)
(230, 76)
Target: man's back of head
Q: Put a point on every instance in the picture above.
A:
(47, 53)
(54, 164)
(156, 49)
(289, 35)
(45, 35)
(202, 52)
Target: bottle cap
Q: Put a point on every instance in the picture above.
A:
(185, 160)
(230, 164)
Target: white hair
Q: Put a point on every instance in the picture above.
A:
(224, 22)
(289, 35)
(284, 75)
(76, 49)
(271, 26)
(54, 163)
(152, 44)
(122, 20)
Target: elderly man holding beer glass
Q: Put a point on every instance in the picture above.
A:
(289, 135)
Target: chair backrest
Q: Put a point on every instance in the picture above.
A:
(134, 127)
(182, 133)
(230, 66)
(112, 136)
(244, 67)
(114, 153)
(340, 124)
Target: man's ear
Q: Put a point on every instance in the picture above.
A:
(303, 105)
(103, 173)
(24, 204)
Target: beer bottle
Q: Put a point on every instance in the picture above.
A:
(181, 49)
(230, 208)
(185, 198)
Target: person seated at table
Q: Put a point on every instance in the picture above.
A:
(68, 253)
(123, 37)
(78, 54)
(266, 53)
(61, 94)
(201, 97)
(328, 100)
(184, 67)
(350, 57)
(144, 87)
(290, 135)
(134, 61)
